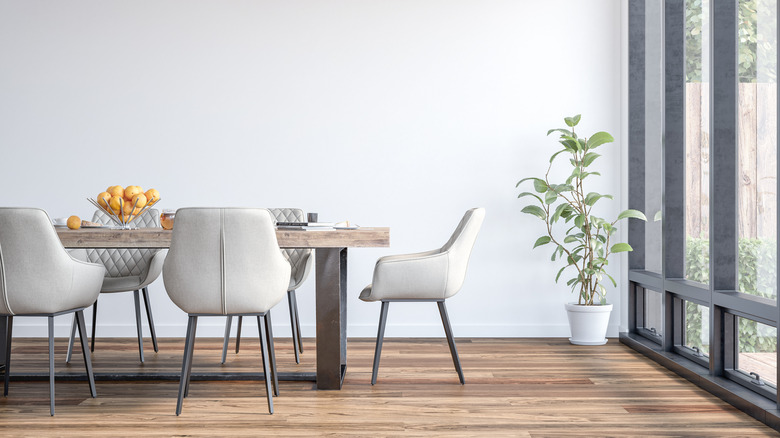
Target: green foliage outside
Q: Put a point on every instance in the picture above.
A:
(756, 49)
(757, 274)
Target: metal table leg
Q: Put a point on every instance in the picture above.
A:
(331, 273)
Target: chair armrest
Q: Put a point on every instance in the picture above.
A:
(155, 268)
(86, 280)
(306, 260)
(79, 254)
(411, 276)
(391, 258)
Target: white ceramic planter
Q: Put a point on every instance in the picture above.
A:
(588, 324)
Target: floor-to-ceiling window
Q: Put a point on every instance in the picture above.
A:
(703, 106)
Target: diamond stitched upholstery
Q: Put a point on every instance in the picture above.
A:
(125, 262)
(300, 259)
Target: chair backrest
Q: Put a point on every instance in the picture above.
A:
(459, 247)
(225, 261)
(35, 269)
(300, 259)
(125, 262)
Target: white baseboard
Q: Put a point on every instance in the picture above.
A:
(217, 329)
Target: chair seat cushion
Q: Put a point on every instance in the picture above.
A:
(121, 284)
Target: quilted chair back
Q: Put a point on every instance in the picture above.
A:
(125, 262)
(459, 247)
(225, 261)
(300, 259)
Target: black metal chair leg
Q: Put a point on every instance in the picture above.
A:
(149, 317)
(185, 363)
(266, 368)
(192, 351)
(8, 354)
(71, 340)
(79, 317)
(269, 340)
(450, 339)
(228, 324)
(238, 332)
(379, 338)
(293, 318)
(94, 324)
(138, 327)
(51, 365)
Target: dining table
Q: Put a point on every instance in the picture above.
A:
(330, 247)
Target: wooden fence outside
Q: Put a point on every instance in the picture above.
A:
(757, 112)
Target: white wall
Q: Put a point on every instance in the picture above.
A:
(399, 113)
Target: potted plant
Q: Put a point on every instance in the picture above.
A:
(586, 244)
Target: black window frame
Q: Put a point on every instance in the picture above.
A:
(716, 372)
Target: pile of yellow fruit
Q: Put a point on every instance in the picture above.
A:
(127, 202)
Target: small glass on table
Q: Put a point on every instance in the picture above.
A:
(166, 219)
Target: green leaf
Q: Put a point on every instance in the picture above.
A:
(559, 273)
(550, 197)
(558, 250)
(573, 121)
(524, 180)
(569, 142)
(557, 214)
(569, 239)
(585, 174)
(540, 186)
(588, 158)
(621, 247)
(614, 283)
(579, 221)
(562, 131)
(530, 194)
(599, 139)
(556, 154)
(593, 197)
(636, 214)
(581, 145)
(535, 210)
(544, 240)
(657, 216)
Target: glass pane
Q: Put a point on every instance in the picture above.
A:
(653, 133)
(757, 148)
(757, 350)
(697, 328)
(697, 143)
(653, 321)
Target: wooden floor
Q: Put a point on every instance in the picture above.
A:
(514, 387)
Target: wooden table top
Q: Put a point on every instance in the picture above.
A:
(363, 237)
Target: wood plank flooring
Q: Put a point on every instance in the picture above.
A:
(514, 387)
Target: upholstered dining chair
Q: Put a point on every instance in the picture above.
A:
(431, 276)
(300, 262)
(226, 262)
(126, 270)
(39, 278)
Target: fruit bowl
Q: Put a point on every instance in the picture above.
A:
(124, 220)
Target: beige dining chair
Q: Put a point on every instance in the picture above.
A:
(431, 276)
(126, 270)
(226, 262)
(300, 262)
(39, 278)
